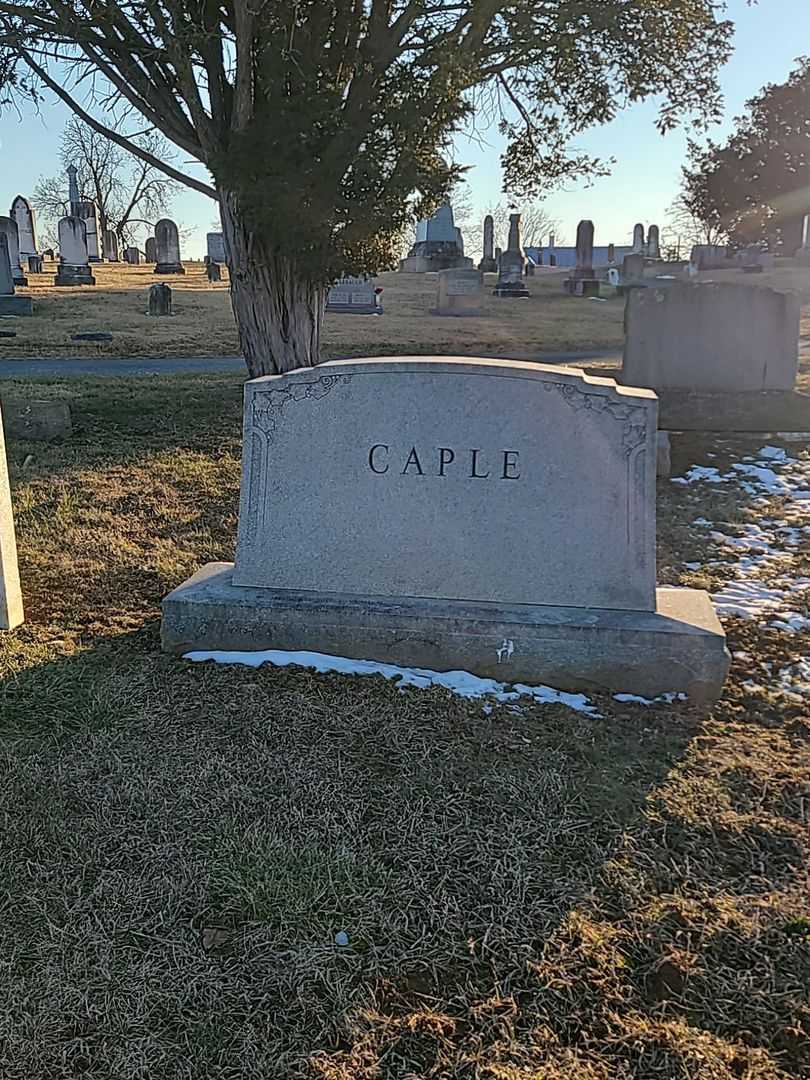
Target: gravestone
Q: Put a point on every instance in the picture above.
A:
(633, 268)
(457, 513)
(583, 281)
(638, 239)
(8, 226)
(488, 264)
(212, 271)
(89, 214)
(35, 420)
(512, 265)
(215, 246)
(133, 256)
(23, 215)
(353, 296)
(167, 248)
(34, 264)
(74, 267)
(653, 243)
(11, 605)
(160, 300)
(711, 257)
(150, 249)
(110, 246)
(9, 303)
(437, 246)
(717, 337)
(611, 254)
(460, 292)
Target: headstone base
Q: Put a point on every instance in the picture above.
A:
(74, 275)
(514, 290)
(20, 280)
(170, 268)
(582, 286)
(768, 410)
(16, 305)
(679, 647)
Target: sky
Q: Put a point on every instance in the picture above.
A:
(642, 183)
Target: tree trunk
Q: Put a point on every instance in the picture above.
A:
(278, 314)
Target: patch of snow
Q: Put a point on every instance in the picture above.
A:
(661, 699)
(462, 683)
(702, 521)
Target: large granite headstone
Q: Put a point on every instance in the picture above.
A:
(215, 246)
(437, 246)
(167, 248)
(713, 337)
(74, 268)
(460, 292)
(454, 513)
(488, 264)
(23, 215)
(512, 264)
(11, 605)
(353, 295)
(8, 226)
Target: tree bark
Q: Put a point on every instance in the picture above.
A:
(278, 313)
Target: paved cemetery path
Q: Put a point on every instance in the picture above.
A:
(187, 365)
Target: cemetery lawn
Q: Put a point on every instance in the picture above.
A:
(547, 322)
(538, 894)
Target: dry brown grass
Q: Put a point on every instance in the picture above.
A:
(534, 895)
(203, 322)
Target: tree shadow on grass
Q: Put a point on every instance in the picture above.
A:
(196, 836)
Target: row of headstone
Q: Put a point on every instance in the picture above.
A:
(649, 247)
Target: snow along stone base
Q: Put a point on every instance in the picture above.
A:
(679, 647)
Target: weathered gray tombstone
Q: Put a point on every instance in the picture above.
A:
(583, 281)
(110, 246)
(438, 245)
(23, 215)
(74, 268)
(460, 292)
(35, 420)
(457, 516)
(150, 249)
(711, 257)
(488, 264)
(215, 247)
(653, 243)
(512, 265)
(353, 296)
(632, 268)
(8, 226)
(638, 239)
(212, 272)
(167, 248)
(11, 605)
(132, 255)
(34, 264)
(717, 337)
(160, 299)
(89, 215)
(611, 254)
(9, 303)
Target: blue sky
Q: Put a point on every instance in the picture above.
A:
(769, 36)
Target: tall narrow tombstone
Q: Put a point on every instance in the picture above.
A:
(11, 605)
(582, 281)
(488, 264)
(167, 248)
(215, 246)
(110, 246)
(8, 226)
(22, 213)
(150, 249)
(457, 516)
(653, 243)
(512, 265)
(638, 239)
(73, 191)
(9, 303)
(611, 253)
(74, 267)
(89, 215)
(34, 264)
(132, 256)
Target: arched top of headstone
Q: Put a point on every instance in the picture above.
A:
(20, 203)
(165, 228)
